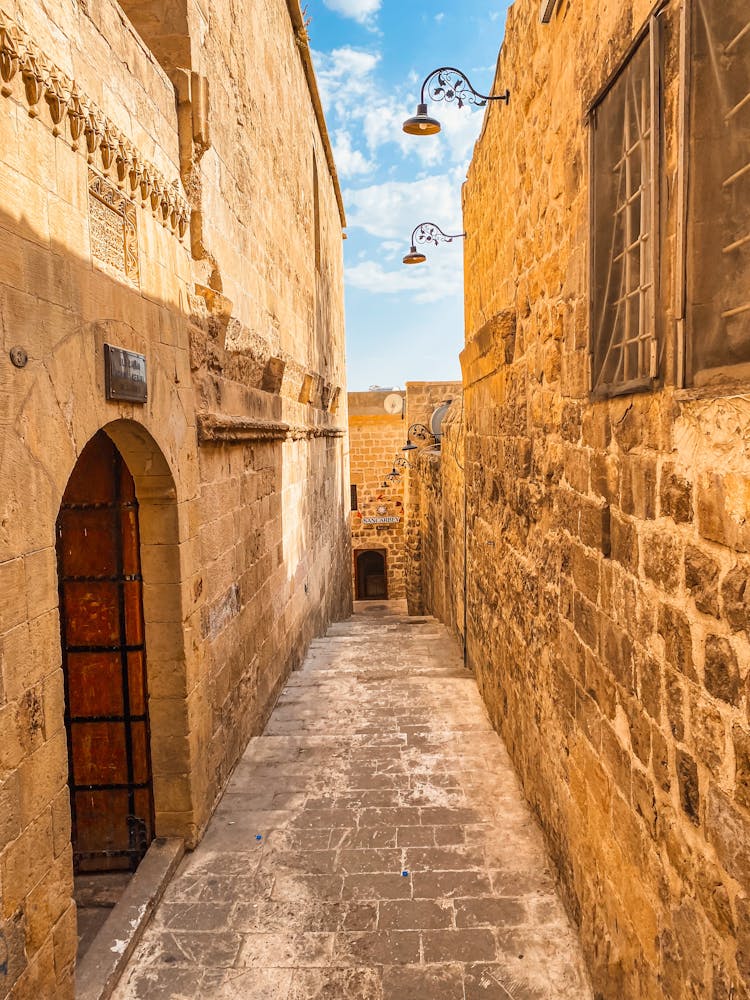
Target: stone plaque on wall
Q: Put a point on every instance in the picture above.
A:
(125, 374)
(112, 223)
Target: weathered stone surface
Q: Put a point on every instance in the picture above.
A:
(383, 707)
(735, 595)
(741, 738)
(701, 578)
(728, 829)
(721, 670)
(675, 495)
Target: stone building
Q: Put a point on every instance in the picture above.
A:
(173, 514)
(423, 401)
(377, 432)
(606, 419)
(378, 428)
(436, 569)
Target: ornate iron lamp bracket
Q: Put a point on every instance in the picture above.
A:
(449, 84)
(429, 232)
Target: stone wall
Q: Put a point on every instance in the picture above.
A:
(375, 441)
(608, 576)
(422, 399)
(129, 217)
(439, 482)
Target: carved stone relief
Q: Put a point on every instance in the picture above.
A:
(112, 224)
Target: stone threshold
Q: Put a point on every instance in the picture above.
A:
(103, 964)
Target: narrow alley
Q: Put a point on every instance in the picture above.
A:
(372, 843)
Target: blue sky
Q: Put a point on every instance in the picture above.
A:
(403, 323)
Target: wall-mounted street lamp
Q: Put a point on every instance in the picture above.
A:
(394, 475)
(391, 479)
(427, 232)
(446, 84)
(419, 433)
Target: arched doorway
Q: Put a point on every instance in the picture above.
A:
(372, 583)
(104, 663)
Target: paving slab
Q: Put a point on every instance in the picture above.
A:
(374, 843)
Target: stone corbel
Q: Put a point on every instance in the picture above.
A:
(218, 305)
(92, 132)
(33, 75)
(10, 55)
(57, 95)
(490, 348)
(76, 116)
(108, 147)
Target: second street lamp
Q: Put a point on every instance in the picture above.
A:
(428, 232)
(422, 434)
(446, 84)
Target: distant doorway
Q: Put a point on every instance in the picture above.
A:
(104, 663)
(372, 583)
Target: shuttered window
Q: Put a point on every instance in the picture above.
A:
(718, 250)
(624, 225)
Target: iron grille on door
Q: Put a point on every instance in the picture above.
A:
(104, 663)
(624, 225)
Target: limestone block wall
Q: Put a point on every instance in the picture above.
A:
(422, 398)
(237, 455)
(609, 581)
(440, 481)
(375, 439)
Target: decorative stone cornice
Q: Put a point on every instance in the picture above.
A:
(214, 428)
(74, 115)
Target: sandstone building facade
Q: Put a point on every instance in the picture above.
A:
(383, 510)
(376, 438)
(174, 507)
(605, 422)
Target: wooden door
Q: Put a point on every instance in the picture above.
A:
(104, 662)
(371, 577)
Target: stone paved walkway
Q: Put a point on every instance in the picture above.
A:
(373, 843)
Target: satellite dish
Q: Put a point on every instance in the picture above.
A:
(394, 403)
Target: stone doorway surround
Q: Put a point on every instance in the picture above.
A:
(105, 663)
(371, 564)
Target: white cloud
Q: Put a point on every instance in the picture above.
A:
(354, 99)
(349, 161)
(441, 277)
(345, 76)
(392, 209)
(362, 11)
(439, 17)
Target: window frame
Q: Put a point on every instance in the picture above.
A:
(726, 378)
(649, 33)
